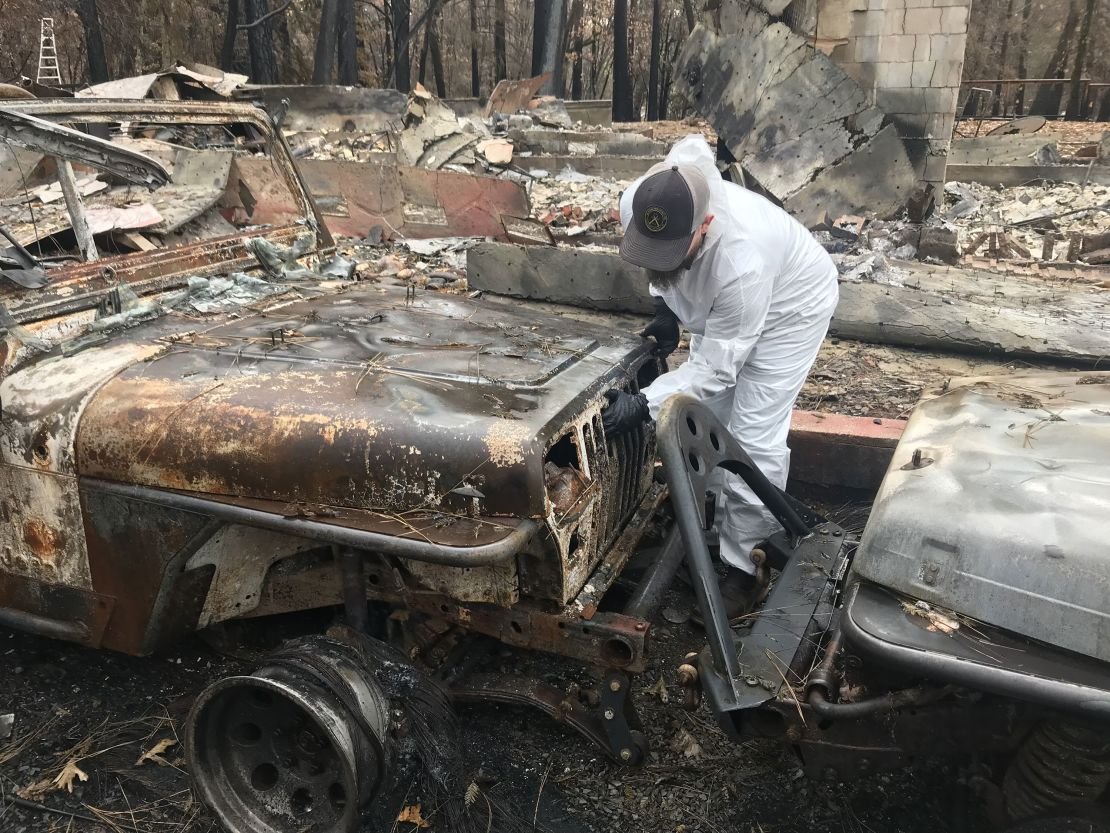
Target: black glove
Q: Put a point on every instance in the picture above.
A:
(625, 412)
(663, 328)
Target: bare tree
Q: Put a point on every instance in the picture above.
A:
(402, 76)
(1075, 99)
(499, 14)
(231, 29)
(348, 43)
(547, 42)
(475, 67)
(324, 59)
(260, 39)
(94, 41)
(437, 55)
(622, 78)
(656, 46)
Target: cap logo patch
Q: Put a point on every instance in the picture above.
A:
(655, 219)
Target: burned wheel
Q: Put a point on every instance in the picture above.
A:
(278, 752)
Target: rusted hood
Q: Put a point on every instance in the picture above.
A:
(357, 399)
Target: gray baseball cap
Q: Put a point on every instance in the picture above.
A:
(669, 204)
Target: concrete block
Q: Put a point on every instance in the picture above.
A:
(835, 26)
(892, 23)
(953, 20)
(942, 3)
(895, 5)
(863, 74)
(911, 125)
(917, 4)
(940, 127)
(922, 49)
(896, 47)
(893, 74)
(563, 275)
(865, 23)
(948, 73)
(935, 168)
(866, 49)
(922, 75)
(922, 21)
(901, 99)
(940, 99)
(937, 241)
(947, 47)
(833, 8)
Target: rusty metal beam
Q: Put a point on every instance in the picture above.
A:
(37, 134)
(329, 533)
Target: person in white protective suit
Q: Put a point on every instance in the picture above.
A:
(756, 292)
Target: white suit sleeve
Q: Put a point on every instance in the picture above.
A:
(734, 324)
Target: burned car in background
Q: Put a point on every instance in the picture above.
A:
(970, 620)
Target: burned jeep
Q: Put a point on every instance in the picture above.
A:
(204, 421)
(972, 620)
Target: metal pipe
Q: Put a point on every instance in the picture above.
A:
(352, 578)
(649, 592)
(21, 620)
(824, 676)
(917, 696)
(480, 556)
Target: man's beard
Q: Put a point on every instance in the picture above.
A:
(665, 280)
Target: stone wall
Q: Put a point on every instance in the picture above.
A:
(908, 55)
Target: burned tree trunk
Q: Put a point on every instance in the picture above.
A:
(539, 33)
(348, 43)
(437, 56)
(653, 72)
(499, 63)
(574, 47)
(622, 77)
(231, 29)
(688, 10)
(475, 66)
(547, 43)
(1075, 99)
(422, 72)
(402, 74)
(260, 39)
(324, 59)
(94, 41)
(1049, 98)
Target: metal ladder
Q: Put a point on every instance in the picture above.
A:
(48, 54)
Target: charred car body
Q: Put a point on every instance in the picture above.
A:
(971, 620)
(186, 444)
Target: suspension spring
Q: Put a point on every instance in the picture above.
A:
(1058, 764)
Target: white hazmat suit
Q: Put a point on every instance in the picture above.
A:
(757, 300)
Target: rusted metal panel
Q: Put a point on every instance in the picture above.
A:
(347, 401)
(418, 203)
(137, 555)
(54, 610)
(41, 536)
(240, 556)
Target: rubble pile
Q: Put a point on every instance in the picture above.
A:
(1029, 216)
(1052, 222)
(570, 203)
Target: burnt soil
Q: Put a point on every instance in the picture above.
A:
(103, 711)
